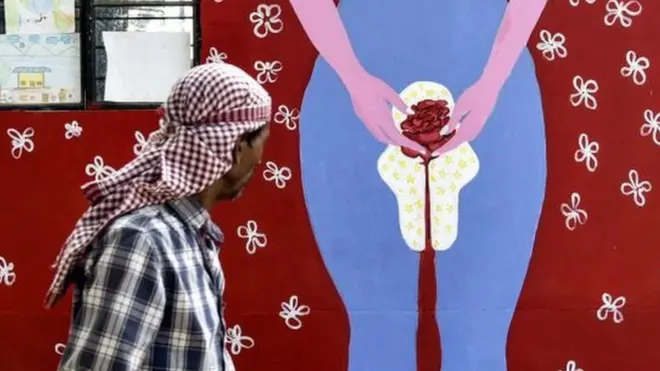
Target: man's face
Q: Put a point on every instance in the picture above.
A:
(247, 156)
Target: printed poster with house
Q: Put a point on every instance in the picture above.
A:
(40, 16)
(40, 69)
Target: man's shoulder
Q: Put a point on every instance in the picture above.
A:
(147, 224)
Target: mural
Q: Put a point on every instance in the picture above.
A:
(389, 291)
(522, 241)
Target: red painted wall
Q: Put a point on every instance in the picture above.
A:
(615, 251)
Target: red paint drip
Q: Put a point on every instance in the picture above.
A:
(428, 334)
(424, 126)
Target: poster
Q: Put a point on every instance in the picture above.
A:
(143, 66)
(40, 69)
(40, 16)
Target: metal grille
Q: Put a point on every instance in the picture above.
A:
(95, 16)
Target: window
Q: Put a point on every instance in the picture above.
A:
(92, 18)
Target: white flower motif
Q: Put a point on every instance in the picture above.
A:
(611, 307)
(277, 174)
(7, 274)
(636, 67)
(552, 45)
(141, 144)
(574, 215)
(587, 152)
(651, 126)
(215, 56)
(266, 19)
(584, 91)
(635, 188)
(59, 348)
(267, 71)
(291, 311)
(98, 169)
(577, 2)
(287, 117)
(21, 141)
(254, 238)
(237, 341)
(72, 130)
(618, 10)
(572, 366)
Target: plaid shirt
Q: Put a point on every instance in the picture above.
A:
(150, 295)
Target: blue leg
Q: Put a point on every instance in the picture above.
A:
(354, 218)
(480, 277)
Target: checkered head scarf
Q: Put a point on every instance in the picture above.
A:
(207, 111)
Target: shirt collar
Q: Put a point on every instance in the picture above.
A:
(194, 214)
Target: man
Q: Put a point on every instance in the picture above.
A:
(144, 257)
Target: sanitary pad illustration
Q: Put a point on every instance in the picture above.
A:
(427, 190)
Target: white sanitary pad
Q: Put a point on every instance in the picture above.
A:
(447, 175)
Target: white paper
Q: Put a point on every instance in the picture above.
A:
(40, 69)
(40, 16)
(143, 66)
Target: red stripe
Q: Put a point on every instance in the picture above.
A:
(428, 333)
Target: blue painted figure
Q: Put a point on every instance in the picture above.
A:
(353, 212)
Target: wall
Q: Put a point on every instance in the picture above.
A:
(578, 259)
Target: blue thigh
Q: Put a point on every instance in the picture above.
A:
(480, 277)
(354, 218)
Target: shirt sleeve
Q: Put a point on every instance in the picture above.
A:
(121, 306)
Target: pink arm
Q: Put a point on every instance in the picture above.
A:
(324, 27)
(517, 25)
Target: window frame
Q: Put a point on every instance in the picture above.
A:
(88, 47)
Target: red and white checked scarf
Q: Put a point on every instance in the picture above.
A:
(206, 112)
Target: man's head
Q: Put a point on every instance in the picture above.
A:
(217, 119)
(246, 156)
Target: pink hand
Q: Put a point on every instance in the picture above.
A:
(470, 114)
(372, 100)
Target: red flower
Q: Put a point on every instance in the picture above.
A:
(425, 124)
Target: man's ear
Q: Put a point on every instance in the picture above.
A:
(239, 150)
